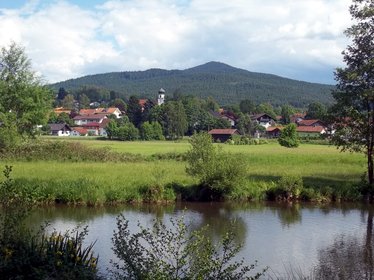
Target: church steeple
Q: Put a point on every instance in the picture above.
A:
(161, 96)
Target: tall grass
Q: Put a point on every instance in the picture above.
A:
(97, 172)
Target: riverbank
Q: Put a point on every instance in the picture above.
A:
(119, 172)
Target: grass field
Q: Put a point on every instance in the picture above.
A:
(319, 166)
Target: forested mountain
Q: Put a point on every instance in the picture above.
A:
(226, 84)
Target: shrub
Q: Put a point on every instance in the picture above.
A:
(288, 187)
(219, 172)
(162, 252)
(24, 255)
(288, 137)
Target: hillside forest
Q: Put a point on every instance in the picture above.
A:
(226, 84)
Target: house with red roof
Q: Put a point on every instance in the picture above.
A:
(273, 131)
(104, 111)
(310, 131)
(85, 119)
(79, 131)
(222, 135)
(313, 122)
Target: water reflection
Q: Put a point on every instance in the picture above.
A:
(349, 257)
(332, 238)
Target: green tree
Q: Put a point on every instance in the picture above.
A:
(68, 102)
(84, 101)
(61, 93)
(353, 111)
(127, 132)
(134, 111)
(316, 110)
(245, 125)
(288, 137)
(266, 108)
(119, 103)
(112, 129)
(219, 172)
(175, 119)
(286, 112)
(151, 131)
(247, 106)
(24, 101)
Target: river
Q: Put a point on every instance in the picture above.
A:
(289, 238)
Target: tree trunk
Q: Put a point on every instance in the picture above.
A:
(370, 166)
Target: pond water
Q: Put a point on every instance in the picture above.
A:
(289, 238)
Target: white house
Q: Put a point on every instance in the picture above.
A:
(59, 129)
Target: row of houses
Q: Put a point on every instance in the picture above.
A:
(87, 122)
(306, 128)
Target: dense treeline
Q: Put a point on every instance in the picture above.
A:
(226, 84)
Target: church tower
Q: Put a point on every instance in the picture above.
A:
(161, 96)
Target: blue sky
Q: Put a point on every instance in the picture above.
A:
(67, 39)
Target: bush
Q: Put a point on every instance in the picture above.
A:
(24, 255)
(161, 252)
(219, 172)
(288, 137)
(289, 187)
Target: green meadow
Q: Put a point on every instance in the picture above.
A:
(321, 167)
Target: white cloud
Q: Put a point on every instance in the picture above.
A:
(282, 37)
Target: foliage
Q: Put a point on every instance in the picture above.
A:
(243, 140)
(15, 206)
(151, 131)
(227, 86)
(64, 151)
(219, 172)
(161, 252)
(24, 101)
(288, 187)
(286, 112)
(134, 111)
(288, 137)
(24, 256)
(316, 110)
(127, 132)
(175, 119)
(68, 102)
(53, 256)
(353, 111)
(247, 106)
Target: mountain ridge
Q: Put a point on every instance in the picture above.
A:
(225, 83)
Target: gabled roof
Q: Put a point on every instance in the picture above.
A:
(81, 130)
(90, 117)
(257, 116)
(227, 131)
(110, 110)
(273, 128)
(59, 126)
(60, 110)
(308, 122)
(310, 129)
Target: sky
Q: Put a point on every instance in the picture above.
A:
(65, 39)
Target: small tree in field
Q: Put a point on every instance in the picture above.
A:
(288, 137)
(219, 172)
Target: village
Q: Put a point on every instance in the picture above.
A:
(94, 121)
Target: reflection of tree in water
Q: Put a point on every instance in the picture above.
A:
(289, 213)
(220, 217)
(348, 257)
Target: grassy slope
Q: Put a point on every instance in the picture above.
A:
(99, 182)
